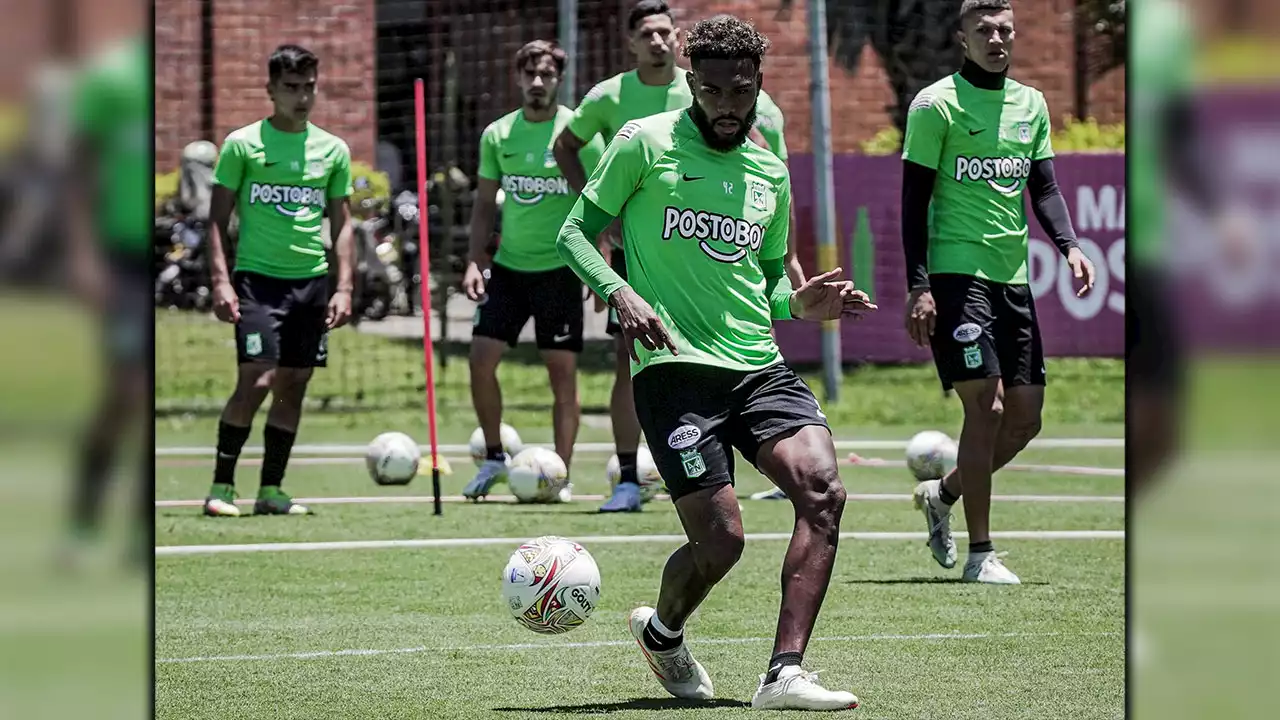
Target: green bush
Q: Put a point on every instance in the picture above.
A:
(1073, 136)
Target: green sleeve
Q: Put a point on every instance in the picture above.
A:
(590, 154)
(774, 245)
(586, 220)
(340, 179)
(777, 286)
(229, 172)
(620, 170)
(92, 109)
(926, 131)
(489, 168)
(1044, 145)
(591, 117)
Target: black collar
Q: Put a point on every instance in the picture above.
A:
(983, 79)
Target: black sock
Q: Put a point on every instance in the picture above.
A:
(494, 452)
(231, 439)
(779, 661)
(96, 461)
(627, 468)
(655, 640)
(277, 444)
(981, 547)
(946, 497)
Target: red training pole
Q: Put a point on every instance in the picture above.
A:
(424, 266)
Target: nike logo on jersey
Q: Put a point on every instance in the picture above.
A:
(975, 132)
(509, 155)
(689, 178)
(270, 164)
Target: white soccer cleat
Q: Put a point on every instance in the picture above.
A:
(987, 568)
(937, 518)
(676, 669)
(796, 689)
(491, 472)
(774, 494)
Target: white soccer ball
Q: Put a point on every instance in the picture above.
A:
(511, 443)
(551, 585)
(931, 455)
(392, 459)
(646, 473)
(538, 475)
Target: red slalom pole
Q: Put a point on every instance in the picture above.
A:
(424, 267)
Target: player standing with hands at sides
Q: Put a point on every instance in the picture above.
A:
(280, 174)
(527, 277)
(974, 141)
(706, 216)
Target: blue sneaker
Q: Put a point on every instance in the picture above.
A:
(626, 498)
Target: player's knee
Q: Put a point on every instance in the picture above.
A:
(717, 555)
(822, 498)
(291, 382)
(1024, 426)
(253, 384)
(985, 416)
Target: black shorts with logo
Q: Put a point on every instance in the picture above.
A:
(985, 329)
(693, 415)
(553, 298)
(618, 261)
(282, 322)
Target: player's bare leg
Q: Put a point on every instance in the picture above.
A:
(562, 369)
(288, 390)
(486, 397)
(1155, 427)
(803, 464)
(626, 434)
(253, 384)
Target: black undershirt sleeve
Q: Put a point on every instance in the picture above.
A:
(1179, 144)
(1049, 206)
(917, 192)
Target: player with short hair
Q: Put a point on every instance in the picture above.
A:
(526, 277)
(706, 216)
(281, 175)
(974, 141)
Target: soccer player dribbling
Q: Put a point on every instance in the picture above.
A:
(527, 276)
(706, 216)
(974, 141)
(281, 174)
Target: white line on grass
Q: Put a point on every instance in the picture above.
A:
(597, 447)
(172, 550)
(321, 654)
(416, 499)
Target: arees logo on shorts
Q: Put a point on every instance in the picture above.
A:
(683, 437)
(309, 199)
(1003, 174)
(531, 190)
(704, 226)
(967, 332)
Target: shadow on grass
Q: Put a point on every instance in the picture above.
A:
(633, 704)
(923, 581)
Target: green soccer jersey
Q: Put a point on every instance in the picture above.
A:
(982, 143)
(518, 153)
(698, 223)
(770, 124)
(1160, 71)
(282, 183)
(623, 98)
(113, 113)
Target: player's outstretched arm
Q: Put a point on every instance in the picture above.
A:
(484, 213)
(1050, 209)
(917, 192)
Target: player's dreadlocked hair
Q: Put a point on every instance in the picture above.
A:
(534, 51)
(725, 37)
(969, 6)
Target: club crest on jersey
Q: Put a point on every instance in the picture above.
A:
(1024, 131)
(1002, 174)
(759, 195)
(549, 158)
(707, 227)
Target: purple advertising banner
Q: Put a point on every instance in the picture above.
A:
(867, 194)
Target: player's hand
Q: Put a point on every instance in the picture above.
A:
(640, 322)
(473, 282)
(1082, 268)
(922, 315)
(339, 309)
(822, 297)
(226, 304)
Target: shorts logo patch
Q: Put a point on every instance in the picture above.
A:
(322, 352)
(693, 463)
(685, 436)
(973, 357)
(967, 332)
(253, 344)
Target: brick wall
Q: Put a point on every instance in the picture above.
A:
(343, 33)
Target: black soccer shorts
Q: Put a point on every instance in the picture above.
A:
(130, 319)
(1156, 358)
(618, 261)
(693, 415)
(553, 298)
(985, 329)
(282, 322)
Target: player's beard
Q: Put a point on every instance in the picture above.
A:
(718, 142)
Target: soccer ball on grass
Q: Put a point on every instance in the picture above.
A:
(511, 443)
(392, 459)
(538, 475)
(551, 585)
(931, 455)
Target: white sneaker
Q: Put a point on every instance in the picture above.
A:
(987, 568)
(676, 669)
(491, 472)
(937, 516)
(774, 494)
(796, 689)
